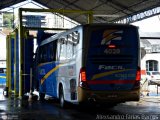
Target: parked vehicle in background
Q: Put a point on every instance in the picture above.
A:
(2, 76)
(153, 77)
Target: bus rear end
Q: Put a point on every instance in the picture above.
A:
(111, 64)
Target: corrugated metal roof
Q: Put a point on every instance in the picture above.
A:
(120, 8)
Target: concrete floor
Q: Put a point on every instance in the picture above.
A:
(148, 108)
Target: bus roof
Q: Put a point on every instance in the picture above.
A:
(110, 24)
(58, 35)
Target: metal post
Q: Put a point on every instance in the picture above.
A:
(157, 89)
(13, 19)
(15, 61)
(30, 79)
(90, 18)
(6, 90)
(9, 64)
(20, 52)
(7, 61)
(30, 94)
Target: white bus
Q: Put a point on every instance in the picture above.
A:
(93, 62)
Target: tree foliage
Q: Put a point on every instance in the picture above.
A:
(8, 20)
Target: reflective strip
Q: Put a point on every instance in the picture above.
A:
(108, 73)
(2, 76)
(49, 73)
(95, 82)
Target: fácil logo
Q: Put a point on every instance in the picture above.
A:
(108, 37)
(104, 67)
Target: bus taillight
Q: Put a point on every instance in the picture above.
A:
(82, 78)
(138, 78)
(138, 75)
(83, 75)
(111, 46)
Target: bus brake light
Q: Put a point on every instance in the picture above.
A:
(83, 75)
(111, 46)
(83, 79)
(138, 75)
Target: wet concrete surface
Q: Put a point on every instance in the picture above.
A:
(12, 108)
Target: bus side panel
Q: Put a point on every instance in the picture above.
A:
(66, 77)
(68, 73)
(47, 79)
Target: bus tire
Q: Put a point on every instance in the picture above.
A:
(41, 96)
(61, 98)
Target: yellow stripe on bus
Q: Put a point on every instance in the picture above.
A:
(108, 73)
(49, 73)
(2, 76)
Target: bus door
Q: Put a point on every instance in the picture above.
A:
(47, 73)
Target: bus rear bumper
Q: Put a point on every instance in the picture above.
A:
(107, 96)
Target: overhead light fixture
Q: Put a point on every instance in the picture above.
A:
(115, 16)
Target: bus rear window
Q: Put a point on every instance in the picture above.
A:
(112, 41)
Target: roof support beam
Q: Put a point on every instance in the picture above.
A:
(73, 4)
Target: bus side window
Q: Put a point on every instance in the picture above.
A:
(69, 50)
(63, 51)
(50, 52)
(62, 48)
(54, 49)
(40, 55)
(43, 54)
(36, 57)
(46, 53)
(74, 49)
(58, 51)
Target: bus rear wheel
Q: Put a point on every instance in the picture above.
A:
(41, 96)
(61, 98)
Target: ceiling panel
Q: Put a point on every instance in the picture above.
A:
(122, 8)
